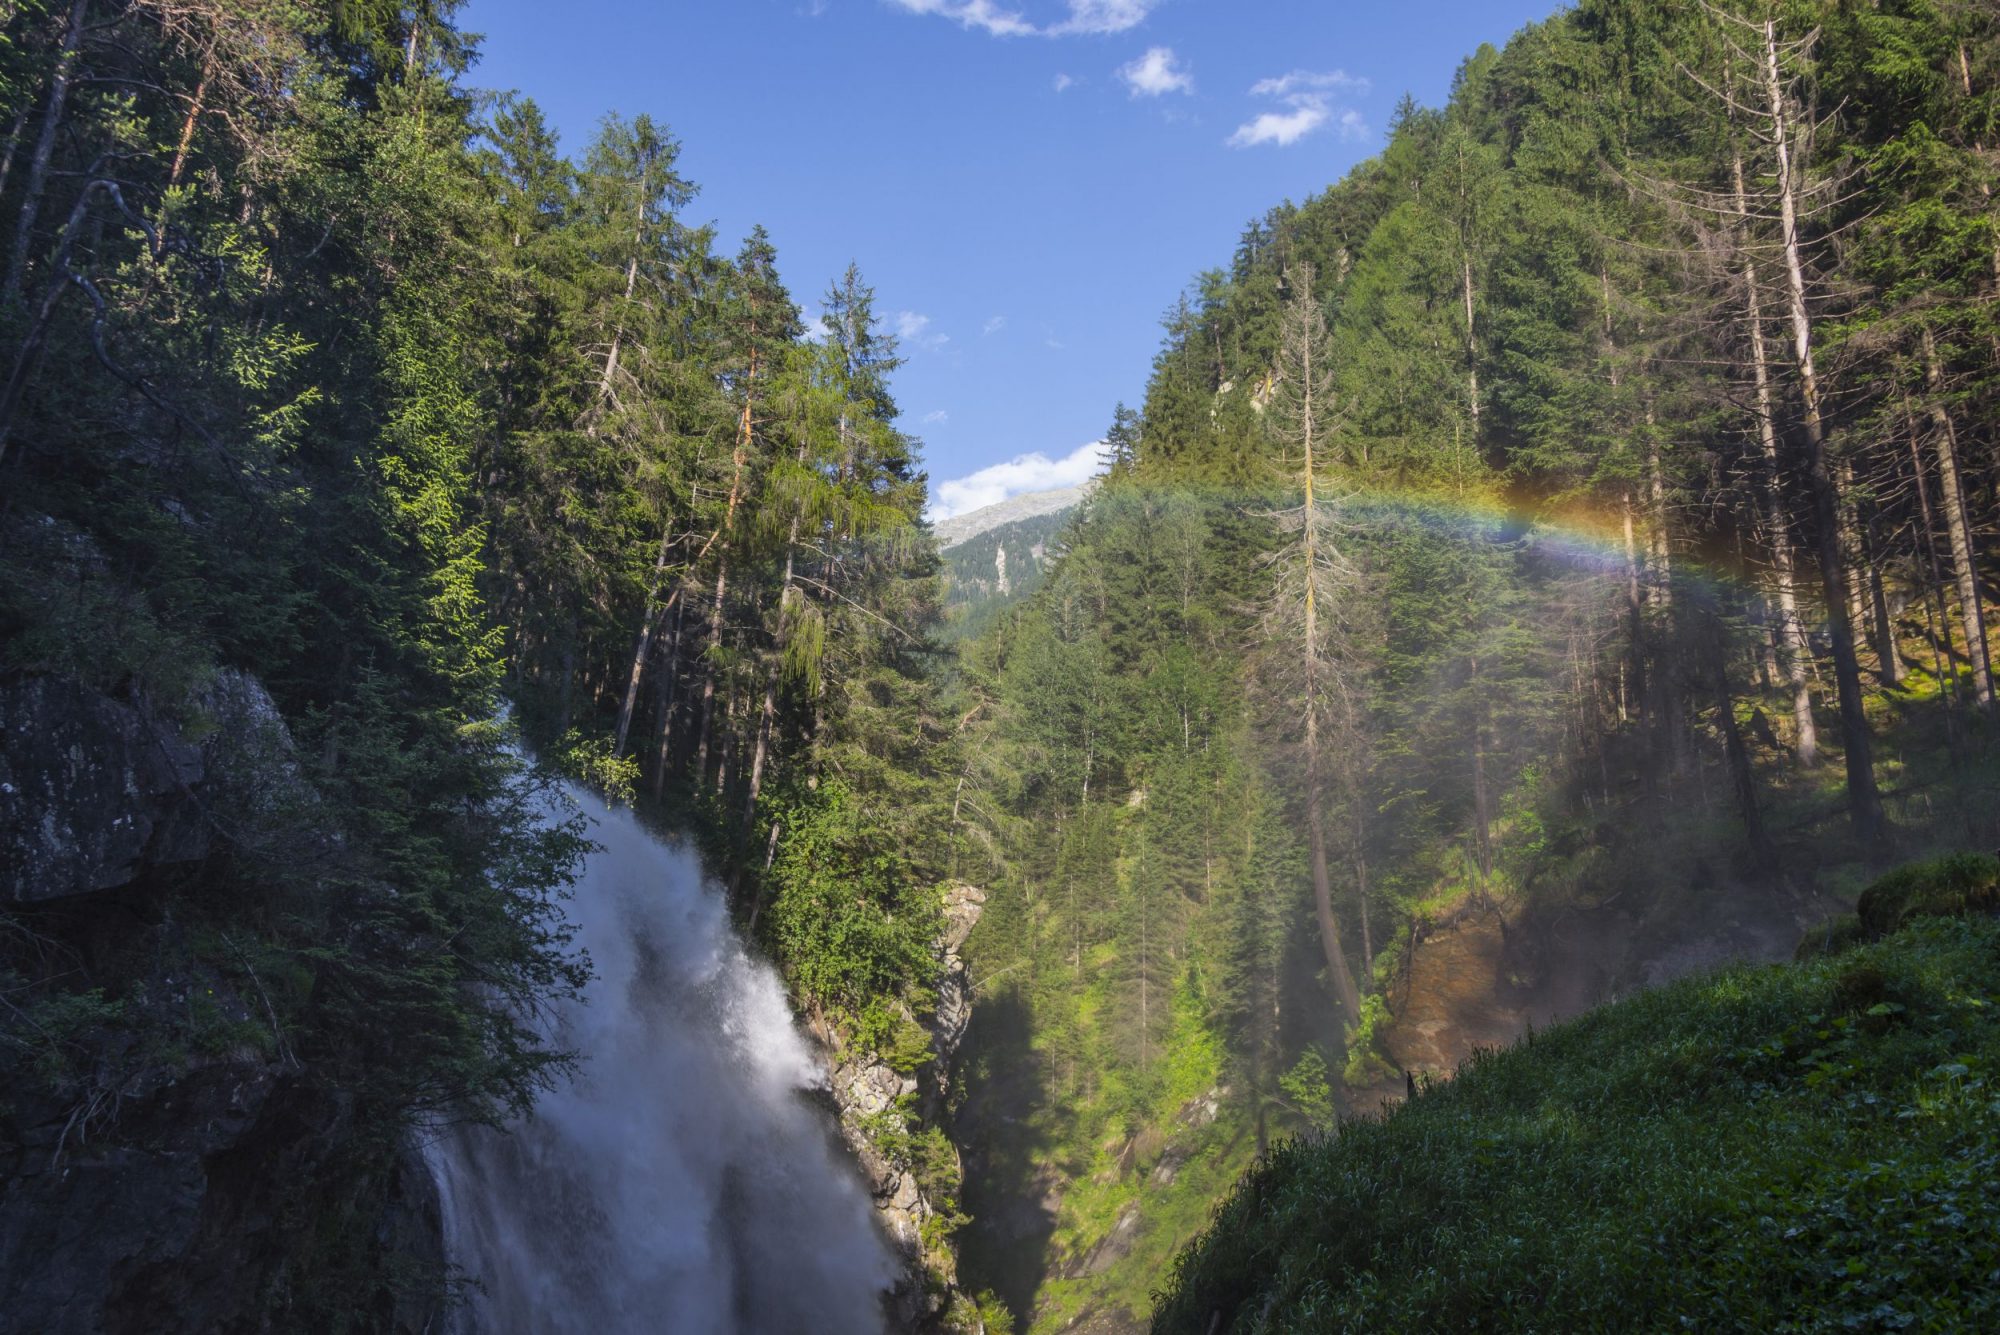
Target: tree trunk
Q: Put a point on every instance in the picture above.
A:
(193, 117)
(1482, 807)
(647, 624)
(727, 529)
(1632, 671)
(1796, 650)
(1742, 775)
(45, 147)
(1661, 584)
(1972, 612)
(1361, 910)
(1471, 354)
(1329, 930)
(1881, 621)
(767, 717)
(1344, 989)
(1864, 801)
(669, 680)
(13, 146)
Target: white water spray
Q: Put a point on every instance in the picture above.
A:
(683, 1181)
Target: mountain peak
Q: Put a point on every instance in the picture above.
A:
(960, 529)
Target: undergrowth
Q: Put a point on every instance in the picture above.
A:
(1784, 1148)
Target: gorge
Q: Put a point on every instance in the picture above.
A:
(685, 1164)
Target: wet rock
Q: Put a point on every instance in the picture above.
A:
(864, 1089)
(87, 784)
(96, 790)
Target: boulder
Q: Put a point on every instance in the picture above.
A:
(89, 786)
(95, 790)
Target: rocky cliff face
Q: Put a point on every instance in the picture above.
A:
(865, 1087)
(146, 1186)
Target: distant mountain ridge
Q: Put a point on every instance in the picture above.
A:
(961, 529)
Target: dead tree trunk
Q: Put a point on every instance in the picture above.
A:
(1864, 801)
(36, 184)
(1796, 651)
(1972, 612)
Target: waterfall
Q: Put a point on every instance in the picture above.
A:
(683, 1180)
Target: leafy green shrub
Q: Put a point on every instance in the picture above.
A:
(885, 1028)
(1308, 1090)
(1946, 888)
(1365, 1066)
(592, 762)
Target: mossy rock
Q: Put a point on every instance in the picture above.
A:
(1952, 887)
(1838, 933)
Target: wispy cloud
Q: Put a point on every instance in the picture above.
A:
(1019, 475)
(982, 15)
(1157, 73)
(1304, 81)
(1087, 18)
(1308, 101)
(994, 325)
(1064, 83)
(1095, 17)
(915, 329)
(938, 418)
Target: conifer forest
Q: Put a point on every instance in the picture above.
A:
(1481, 816)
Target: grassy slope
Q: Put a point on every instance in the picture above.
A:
(1802, 1147)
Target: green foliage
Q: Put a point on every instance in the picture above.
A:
(59, 1033)
(592, 761)
(848, 918)
(885, 1028)
(1365, 1065)
(1965, 883)
(1795, 1146)
(1307, 1090)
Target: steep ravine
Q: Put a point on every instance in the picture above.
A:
(865, 1087)
(685, 1167)
(710, 1140)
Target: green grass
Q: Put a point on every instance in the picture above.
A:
(1800, 1147)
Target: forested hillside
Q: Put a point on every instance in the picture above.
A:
(999, 566)
(353, 432)
(1558, 556)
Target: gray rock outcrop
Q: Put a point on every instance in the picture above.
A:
(865, 1087)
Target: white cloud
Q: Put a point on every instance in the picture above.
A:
(1283, 128)
(938, 418)
(1064, 83)
(1303, 81)
(994, 325)
(1021, 474)
(1094, 17)
(981, 14)
(914, 328)
(1087, 18)
(1308, 107)
(1156, 74)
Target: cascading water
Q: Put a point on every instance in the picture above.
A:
(682, 1181)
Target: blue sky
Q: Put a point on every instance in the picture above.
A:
(1027, 183)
